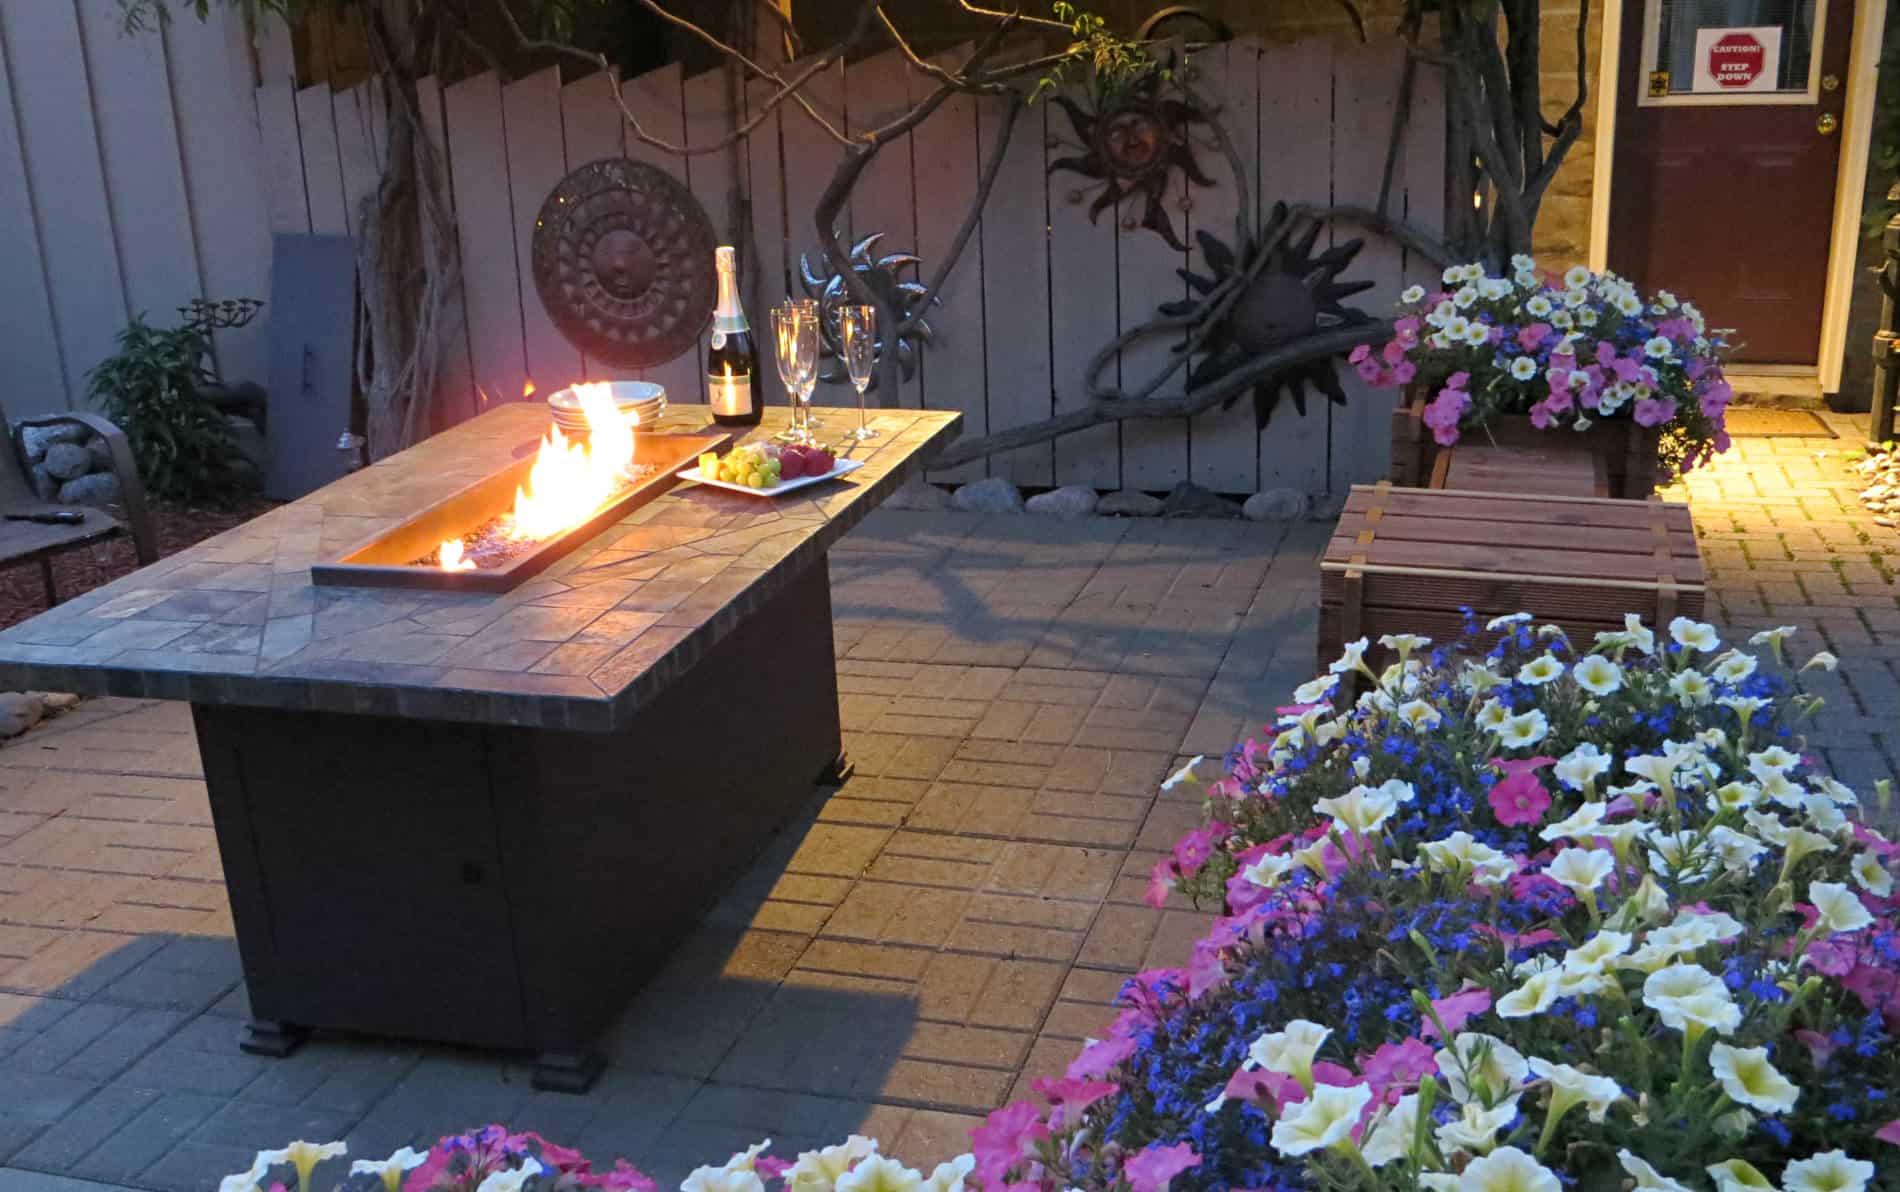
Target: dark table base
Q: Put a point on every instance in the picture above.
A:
(509, 888)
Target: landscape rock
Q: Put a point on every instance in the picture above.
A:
(36, 439)
(59, 701)
(1275, 504)
(992, 494)
(1071, 500)
(44, 486)
(98, 490)
(1191, 500)
(1326, 507)
(67, 461)
(19, 711)
(1129, 502)
(100, 453)
(920, 496)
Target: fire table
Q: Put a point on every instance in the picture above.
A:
(484, 818)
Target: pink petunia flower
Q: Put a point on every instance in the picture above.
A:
(1008, 1136)
(1101, 1057)
(1889, 1132)
(1192, 850)
(1456, 1010)
(1155, 1168)
(1654, 411)
(1396, 1068)
(1071, 1097)
(1520, 799)
(1162, 880)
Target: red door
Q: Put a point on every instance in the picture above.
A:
(1727, 147)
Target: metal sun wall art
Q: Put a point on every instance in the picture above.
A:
(883, 276)
(1287, 292)
(1130, 147)
(623, 262)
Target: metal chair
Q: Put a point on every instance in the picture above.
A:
(22, 539)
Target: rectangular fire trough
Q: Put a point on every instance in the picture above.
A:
(389, 560)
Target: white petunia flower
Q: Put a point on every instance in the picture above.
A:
(1506, 1169)
(1461, 851)
(1639, 634)
(1361, 809)
(1523, 730)
(1691, 688)
(1492, 714)
(1839, 908)
(879, 1174)
(1483, 1064)
(1580, 824)
(1688, 997)
(1744, 706)
(1870, 875)
(1540, 670)
(1507, 621)
(1772, 760)
(1269, 870)
(1734, 796)
(1475, 1129)
(1290, 1050)
(1831, 1171)
(1352, 658)
(1598, 675)
(1316, 691)
(515, 1180)
(1734, 667)
(1580, 870)
(1824, 659)
(1184, 774)
(1738, 1175)
(1391, 1137)
(1773, 637)
(1532, 997)
(1325, 1119)
(302, 1156)
(1412, 295)
(1695, 635)
(951, 1174)
(1577, 277)
(1419, 716)
(723, 1179)
(391, 1170)
(1749, 1079)
(1582, 765)
(826, 1166)
(1571, 1087)
(1648, 1179)
(1524, 368)
(1596, 953)
(1739, 852)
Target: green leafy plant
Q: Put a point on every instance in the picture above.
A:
(182, 444)
(1114, 63)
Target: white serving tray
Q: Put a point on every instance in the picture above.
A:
(840, 468)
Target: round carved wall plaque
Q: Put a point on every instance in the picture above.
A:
(623, 261)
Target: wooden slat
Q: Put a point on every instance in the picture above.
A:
(455, 389)
(1296, 128)
(594, 128)
(1492, 559)
(810, 157)
(1224, 452)
(29, 343)
(356, 151)
(145, 183)
(1154, 450)
(1578, 511)
(218, 140)
(706, 118)
(883, 201)
(282, 157)
(322, 162)
(478, 158)
(276, 53)
(1082, 276)
(944, 148)
(1421, 167)
(54, 115)
(1016, 296)
(1485, 535)
(531, 118)
(769, 280)
(1365, 94)
(1555, 473)
(656, 98)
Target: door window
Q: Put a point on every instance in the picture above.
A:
(1731, 51)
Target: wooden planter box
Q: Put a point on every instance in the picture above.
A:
(1628, 451)
(1408, 560)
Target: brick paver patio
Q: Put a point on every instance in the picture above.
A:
(942, 929)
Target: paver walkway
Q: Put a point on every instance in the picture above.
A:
(942, 929)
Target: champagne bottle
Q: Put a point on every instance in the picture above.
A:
(732, 360)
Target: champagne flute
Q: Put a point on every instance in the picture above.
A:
(810, 345)
(787, 318)
(857, 333)
(815, 312)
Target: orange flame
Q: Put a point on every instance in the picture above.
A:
(570, 480)
(449, 556)
(527, 389)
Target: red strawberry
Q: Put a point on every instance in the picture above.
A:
(791, 464)
(819, 462)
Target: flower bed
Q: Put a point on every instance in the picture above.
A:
(1558, 354)
(1534, 919)
(1554, 915)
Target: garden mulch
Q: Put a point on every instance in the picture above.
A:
(947, 926)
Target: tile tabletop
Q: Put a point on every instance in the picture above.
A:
(236, 620)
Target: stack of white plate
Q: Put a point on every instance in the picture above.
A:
(642, 400)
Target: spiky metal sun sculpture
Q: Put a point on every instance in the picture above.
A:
(1289, 294)
(884, 277)
(1131, 146)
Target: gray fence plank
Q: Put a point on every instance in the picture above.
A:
(281, 162)
(1296, 128)
(62, 167)
(1015, 236)
(29, 342)
(1154, 450)
(1365, 90)
(454, 387)
(594, 128)
(768, 280)
(810, 158)
(484, 219)
(356, 151)
(322, 162)
(1082, 280)
(531, 116)
(656, 97)
(944, 148)
(1223, 451)
(706, 116)
(884, 201)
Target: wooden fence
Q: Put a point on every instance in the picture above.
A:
(1039, 290)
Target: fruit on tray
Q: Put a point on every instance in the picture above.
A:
(765, 465)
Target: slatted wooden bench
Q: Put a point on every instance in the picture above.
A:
(1410, 559)
(1540, 471)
